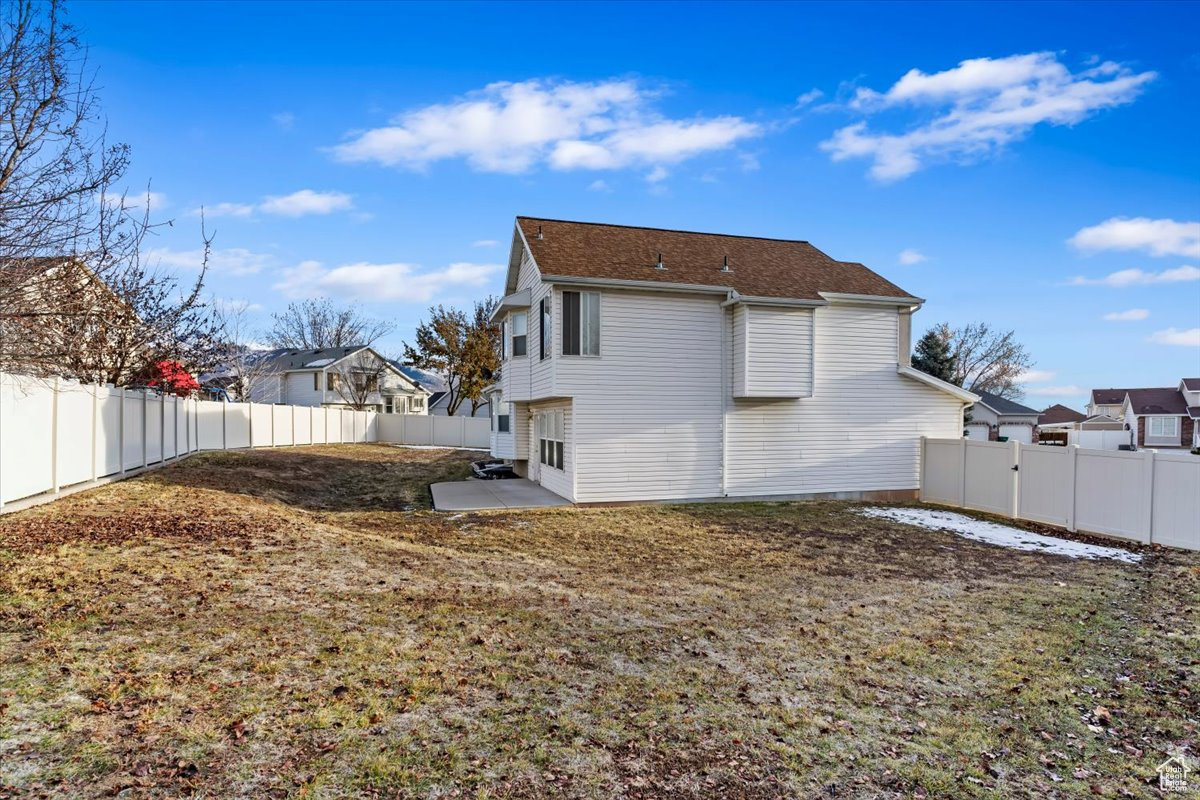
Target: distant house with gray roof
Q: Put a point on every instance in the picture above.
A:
(337, 377)
(994, 418)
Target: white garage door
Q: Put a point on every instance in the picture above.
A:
(1017, 433)
(977, 432)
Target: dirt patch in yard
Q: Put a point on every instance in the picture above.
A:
(290, 623)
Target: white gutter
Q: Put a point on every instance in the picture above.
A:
(874, 300)
(937, 383)
(653, 286)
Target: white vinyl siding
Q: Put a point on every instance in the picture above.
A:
(772, 355)
(861, 429)
(647, 410)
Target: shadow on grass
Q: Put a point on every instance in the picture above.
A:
(325, 478)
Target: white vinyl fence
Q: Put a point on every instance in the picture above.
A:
(1147, 496)
(58, 434)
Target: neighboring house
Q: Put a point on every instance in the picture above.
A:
(1106, 402)
(995, 417)
(1059, 416)
(337, 377)
(1156, 417)
(1159, 418)
(649, 364)
(439, 406)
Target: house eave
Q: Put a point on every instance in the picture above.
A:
(516, 300)
(937, 383)
(873, 300)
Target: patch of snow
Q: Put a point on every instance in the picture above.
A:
(320, 362)
(439, 447)
(1002, 535)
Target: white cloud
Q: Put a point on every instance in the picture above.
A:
(657, 174)
(1158, 237)
(286, 120)
(513, 127)
(305, 202)
(234, 305)
(1056, 391)
(910, 256)
(809, 97)
(231, 261)
(396, 282)
(1035, 376)
(1132, 315)
(302, 203)
(1175, 336)
(137, 200)
(979, 107)
(485, 243)
(599, 185)
(1137, 277)
(225, 210)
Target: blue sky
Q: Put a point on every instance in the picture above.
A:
(1034, 166)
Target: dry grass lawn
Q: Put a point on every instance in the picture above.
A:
(296, 623)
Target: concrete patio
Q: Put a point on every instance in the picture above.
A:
(477, 495)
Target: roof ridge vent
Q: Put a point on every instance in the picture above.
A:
(659, 265)
(725, 265)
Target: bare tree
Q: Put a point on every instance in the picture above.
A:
(359, 379)
(462, 350)
(985, 359)
(237, 352)
(316, 324)
(76, 298)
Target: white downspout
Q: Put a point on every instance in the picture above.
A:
(726, 390)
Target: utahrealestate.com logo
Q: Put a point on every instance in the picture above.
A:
(1173, 774)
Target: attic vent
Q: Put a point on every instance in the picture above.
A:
(659, 265)
(539, 233)
(725, 265)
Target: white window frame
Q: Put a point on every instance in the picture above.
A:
(552, 438)
(583, 295)
(524, 316)
(1162, 436)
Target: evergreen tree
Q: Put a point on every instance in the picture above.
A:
(933, 357)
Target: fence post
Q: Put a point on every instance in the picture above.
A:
(224, 425)
(462, 431)
(145, 424)
(1072, 466)
(54, 437)
(293, 410)
(272, 426)
(1014, 506)
(1148, 495)
(95, 425)
(921, 469)
(962, 473)
(250, 422)
(121, 432)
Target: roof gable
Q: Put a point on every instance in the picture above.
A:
(757, 267)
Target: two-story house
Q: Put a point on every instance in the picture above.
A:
(337, 377)
(649, 364)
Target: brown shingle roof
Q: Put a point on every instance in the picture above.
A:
(1108, 397)
(1059, 413)
(1192, 384)
(1157, 401)
(760, 267)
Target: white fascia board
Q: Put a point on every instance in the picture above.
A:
(793, 302)
(622, 283)
(873, 300)
(520, 299)
(937, 383)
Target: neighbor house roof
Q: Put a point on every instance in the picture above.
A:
(1108, 397)
(1192, 384)
(1194, 412)
(1058, 413)
(758, 267)
(1003, 405)
(284, 359)
(1157, 401)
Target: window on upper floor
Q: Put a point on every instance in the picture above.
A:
(520, 325)
(581, 323)
(544, 339)
(1162, 427)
